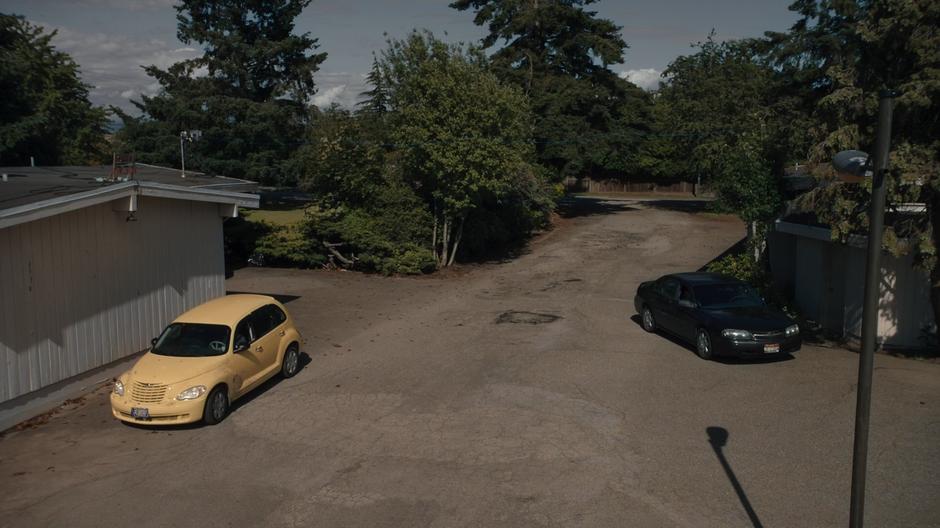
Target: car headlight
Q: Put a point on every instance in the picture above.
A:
(737, 335)
(792, 330)
(118, 387)
(192, 393)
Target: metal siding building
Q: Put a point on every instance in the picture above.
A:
(84, 285)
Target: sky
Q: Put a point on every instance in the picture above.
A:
(111, 39)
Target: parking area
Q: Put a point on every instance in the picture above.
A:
(508, 394)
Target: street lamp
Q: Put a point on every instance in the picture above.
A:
(854, 166)
(190, 136)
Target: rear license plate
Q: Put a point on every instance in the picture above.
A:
(772, 349)
(141, 413)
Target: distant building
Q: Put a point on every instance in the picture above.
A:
(94, 262)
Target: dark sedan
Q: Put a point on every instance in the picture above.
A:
(721, 316)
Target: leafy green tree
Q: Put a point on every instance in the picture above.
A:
(248, 92)
(716, 119)
(465, 138)
(44, 112)
(847, 52)
(559, 53)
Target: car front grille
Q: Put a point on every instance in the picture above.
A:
(768, 336)
(148, 392)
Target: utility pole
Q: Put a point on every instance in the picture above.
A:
(870, 307)
(187, 135)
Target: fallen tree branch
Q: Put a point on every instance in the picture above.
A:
(339, 256)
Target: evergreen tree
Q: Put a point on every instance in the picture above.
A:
(44, 112)
(560, 54)
(248, 92)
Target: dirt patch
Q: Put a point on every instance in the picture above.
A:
(532, 318)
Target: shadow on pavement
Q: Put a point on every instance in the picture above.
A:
(682, 206)
(236, 405)
(581, 206)
(718, 438)
(723, 360)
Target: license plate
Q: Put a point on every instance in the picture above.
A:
(772, 349)
(141, 413)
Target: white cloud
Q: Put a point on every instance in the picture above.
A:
(328, 96)
(646, 78)
(111, 63)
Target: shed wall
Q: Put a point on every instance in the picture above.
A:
(85, 288)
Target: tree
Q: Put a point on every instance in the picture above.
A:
(716, 112)
(464, 137)
(44, 112)
(248, 92)
(848, 51)
(559, 53)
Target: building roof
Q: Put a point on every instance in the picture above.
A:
(30, 193)
(227, 310)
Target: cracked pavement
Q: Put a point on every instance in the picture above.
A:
(423, 404)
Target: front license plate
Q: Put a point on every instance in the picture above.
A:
(141, 413)
(772, 349)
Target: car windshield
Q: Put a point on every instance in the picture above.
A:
(192, 340)
(728, 295)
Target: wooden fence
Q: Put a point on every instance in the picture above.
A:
(632, 186)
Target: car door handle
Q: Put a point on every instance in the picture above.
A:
(259, 349)
(283, 333)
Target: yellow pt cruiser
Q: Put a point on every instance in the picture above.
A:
(205, 359)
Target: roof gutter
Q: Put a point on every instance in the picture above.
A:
(63, 204)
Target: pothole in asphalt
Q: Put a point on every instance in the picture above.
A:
(533, 318)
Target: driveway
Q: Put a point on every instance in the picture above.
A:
(505, 394)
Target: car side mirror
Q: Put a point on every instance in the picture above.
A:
(241, 346)
(685, 303)
(153, 342)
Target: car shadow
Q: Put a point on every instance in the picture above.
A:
(718, 359)
(267, 385)
(236, 405)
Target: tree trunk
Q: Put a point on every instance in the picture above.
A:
(445, 241)
(453, 251)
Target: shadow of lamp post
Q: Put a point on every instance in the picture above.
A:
(854, 166)
(718, 438)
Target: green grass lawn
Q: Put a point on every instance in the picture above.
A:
(278, 217)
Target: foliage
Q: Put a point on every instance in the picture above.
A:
(588, 120)
(247, 92)
(846, 52)
(464, 136)
(44, 112)
(716, 102)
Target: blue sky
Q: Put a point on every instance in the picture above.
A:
(110, 39)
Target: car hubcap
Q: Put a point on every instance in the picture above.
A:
(291, 361)
(703, 343)
(647, 319)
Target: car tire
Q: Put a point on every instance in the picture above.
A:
(217, 406)
(649, 323)
(703, 344)
(291, 362)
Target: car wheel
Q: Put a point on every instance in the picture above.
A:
(649, 324)
(703, 345)
(216, 406)
(291, 362)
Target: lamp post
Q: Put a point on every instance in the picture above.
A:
(854, 166)
(190, 136)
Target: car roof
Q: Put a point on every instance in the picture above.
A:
(227, 310)
(704, 278)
